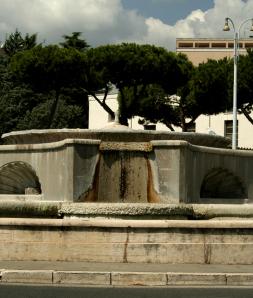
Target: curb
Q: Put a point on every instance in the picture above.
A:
(126, 278)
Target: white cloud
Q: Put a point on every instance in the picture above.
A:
(101, 21)
(106, 21)
(201, 24)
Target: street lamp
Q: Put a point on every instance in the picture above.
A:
(236, 39)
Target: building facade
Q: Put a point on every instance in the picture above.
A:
(201, 49)
(99, 118)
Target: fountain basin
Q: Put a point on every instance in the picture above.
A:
(114, 133)
(166, 171)
(117, 195)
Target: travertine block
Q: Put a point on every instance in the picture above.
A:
(165, 253)
(6, 234)
(169, 235)
(26, 235)
(190, 279)
(231, 253)
(27, 276)
(94, 235)
(138, 279)
(239, 279)
(79, 277)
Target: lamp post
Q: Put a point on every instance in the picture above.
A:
(236, 39)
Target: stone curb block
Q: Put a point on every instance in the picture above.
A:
(239, 279)
(27, 276)
(138, 279)
(126, 278)
(196, 279)
(81, 277)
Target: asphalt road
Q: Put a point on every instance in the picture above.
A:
(32, 291)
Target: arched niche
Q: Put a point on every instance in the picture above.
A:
(19, 178)
(221, 183)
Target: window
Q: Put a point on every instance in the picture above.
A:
(231, 45)
(248, 45)
(201, 45)
(191, 127)
(185, 45)
(218, 45)
(228, 129)
(149, 127)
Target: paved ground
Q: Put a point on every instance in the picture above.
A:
(32, 291)
(125, 274)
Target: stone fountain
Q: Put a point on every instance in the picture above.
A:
(122, 195)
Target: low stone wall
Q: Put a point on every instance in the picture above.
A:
(133, 241)
(128, 233)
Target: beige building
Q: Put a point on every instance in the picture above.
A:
(201, 49)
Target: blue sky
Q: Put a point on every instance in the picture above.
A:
(169, 11)
(157, 22)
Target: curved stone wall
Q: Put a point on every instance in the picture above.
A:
(95, 170)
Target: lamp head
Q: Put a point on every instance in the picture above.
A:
(226, 26)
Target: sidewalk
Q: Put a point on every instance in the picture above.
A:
(125, 274)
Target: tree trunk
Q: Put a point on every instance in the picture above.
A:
(102, 103)
(54, 108)
(122, 117)
(123, 120)
(246, 114)
(169, 126)
(182, 118)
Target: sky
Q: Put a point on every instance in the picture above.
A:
(157, 22)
